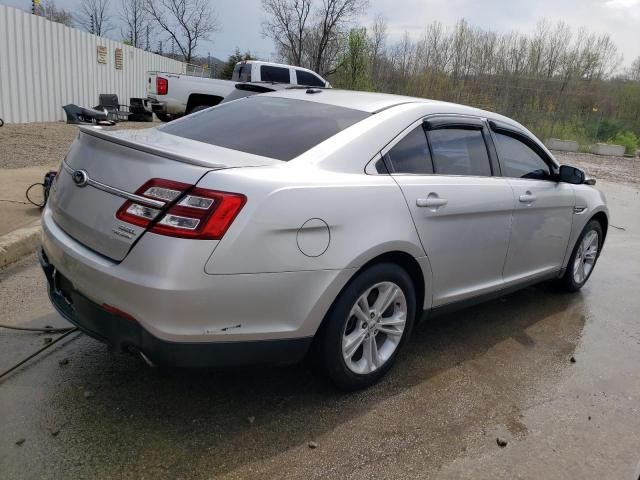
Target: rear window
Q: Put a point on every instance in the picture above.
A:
(242, 72)
(279, 128)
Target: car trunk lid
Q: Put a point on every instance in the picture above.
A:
(104, 169)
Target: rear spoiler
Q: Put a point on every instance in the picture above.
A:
(105, 135)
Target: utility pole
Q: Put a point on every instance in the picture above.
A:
(34, 6)
(92, 25)
(148, 42)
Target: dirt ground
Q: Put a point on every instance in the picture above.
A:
(615, 169)
(28, 145)
(33, 144)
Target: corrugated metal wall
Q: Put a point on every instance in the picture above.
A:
(45, 65)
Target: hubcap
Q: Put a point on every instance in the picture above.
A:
(374, 327)
(585, 257)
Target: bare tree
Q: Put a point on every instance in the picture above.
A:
(48, 10)
(286, 25)
(311, 33)
(377, 46)
(333, 17)
(94, 16)
(137, 25)
(634, 70)
(186, 22)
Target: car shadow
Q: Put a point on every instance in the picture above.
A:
(218, 421)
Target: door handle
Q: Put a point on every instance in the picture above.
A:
(431, 202)
(527, 197)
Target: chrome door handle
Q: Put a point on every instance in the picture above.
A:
(432, 202)
(527, 197)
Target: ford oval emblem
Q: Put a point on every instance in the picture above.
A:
(80, 178)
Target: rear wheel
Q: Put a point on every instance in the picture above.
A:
(164, 117)
(583, 258)
(367, 326)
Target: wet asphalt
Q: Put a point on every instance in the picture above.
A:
(502, 369)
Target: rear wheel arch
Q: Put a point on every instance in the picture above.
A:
(405, 261)
(409, 264)
(200, 99)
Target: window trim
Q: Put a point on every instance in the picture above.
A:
(497, 127)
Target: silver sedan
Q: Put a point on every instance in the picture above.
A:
(308, 221)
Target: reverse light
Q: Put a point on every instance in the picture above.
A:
(201, 214)
(162, 86)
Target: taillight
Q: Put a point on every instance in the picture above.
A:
(162, 86)
(200, 214)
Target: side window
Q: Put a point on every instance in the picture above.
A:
(411, 154)
(274, 74)
(459, 152)
(518, 160)
(244, 73)
(308, 79)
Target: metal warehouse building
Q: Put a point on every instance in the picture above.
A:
(45, 65)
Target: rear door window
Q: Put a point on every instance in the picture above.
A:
(518, 160)
(308, 79)
(411, 154)
(269, 73)
(279, 128)
(457, 151)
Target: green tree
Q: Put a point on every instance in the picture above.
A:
(354, 69)
(227, 70)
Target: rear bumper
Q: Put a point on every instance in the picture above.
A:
(126, 334)
(261, 317)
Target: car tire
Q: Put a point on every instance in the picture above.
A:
(378, 282)
(199, 108)
(164, 117)
(583, 258)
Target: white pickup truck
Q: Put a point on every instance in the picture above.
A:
(172, 95)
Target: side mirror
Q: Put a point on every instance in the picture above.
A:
(571, 175)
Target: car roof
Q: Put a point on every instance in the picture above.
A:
(373, 102)
(365, 101)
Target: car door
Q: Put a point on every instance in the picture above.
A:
(543, 211)
(462, 212)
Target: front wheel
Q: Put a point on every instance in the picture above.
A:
(367, 326)
(583, 258)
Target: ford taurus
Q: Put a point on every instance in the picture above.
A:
(308, 221)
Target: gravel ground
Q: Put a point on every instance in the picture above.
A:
(33, 144)
(27, 145)
(614, 169)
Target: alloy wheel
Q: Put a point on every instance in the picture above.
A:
(585, 256)
(374, 327)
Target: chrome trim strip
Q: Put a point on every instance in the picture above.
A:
(147, 202)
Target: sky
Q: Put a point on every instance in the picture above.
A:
(240, 20)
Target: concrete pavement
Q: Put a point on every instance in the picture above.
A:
(501, 369)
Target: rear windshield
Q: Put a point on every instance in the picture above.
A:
(279, 128)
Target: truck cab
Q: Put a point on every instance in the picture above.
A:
(257, 71)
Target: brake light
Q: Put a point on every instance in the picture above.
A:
(200, 214)
(162, 86)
